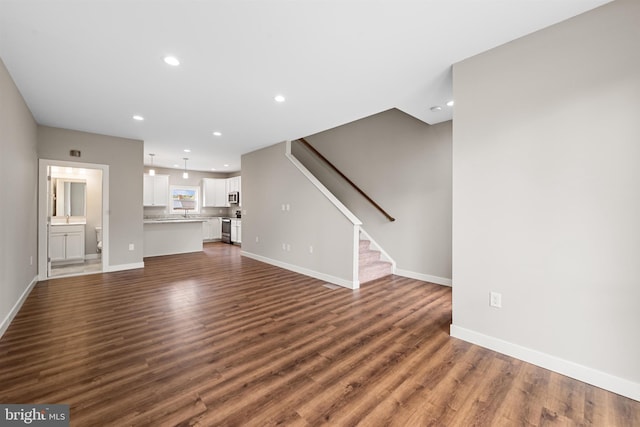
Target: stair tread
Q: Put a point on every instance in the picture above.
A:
(378, 262)
(374, 270)
(369, 255)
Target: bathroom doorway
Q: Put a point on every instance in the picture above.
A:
(73, 219)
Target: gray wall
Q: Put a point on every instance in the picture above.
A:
(270, 180)
(125, 160)
(405, 166)
(546, 145)
(18, 197)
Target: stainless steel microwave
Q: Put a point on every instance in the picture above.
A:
(234, 197)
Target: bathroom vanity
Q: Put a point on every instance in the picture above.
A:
(66, 243)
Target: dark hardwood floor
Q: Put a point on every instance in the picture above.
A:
(214, 338)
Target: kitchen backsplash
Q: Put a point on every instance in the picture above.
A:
(163, 212)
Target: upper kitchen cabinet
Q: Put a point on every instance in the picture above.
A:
(235, 184)
(214, 193)
(155, 190)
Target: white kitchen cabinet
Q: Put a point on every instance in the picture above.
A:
(155, 191)
(214, 193)
(235, 185)
(212, 229)
(206, 231)
(236, 230)
(66, 243)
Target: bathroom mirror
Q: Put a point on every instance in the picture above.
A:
(69, 197)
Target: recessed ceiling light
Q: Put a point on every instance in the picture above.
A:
(186, 150)
(436, 108)
(176, 165)
(450, 103)
(138, 118)
(213, 169)
(279, 98)
(172, 60)
(216, 133)
(226, 166)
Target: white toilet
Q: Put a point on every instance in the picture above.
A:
(99, 239)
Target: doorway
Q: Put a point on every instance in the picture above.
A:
(72, 219)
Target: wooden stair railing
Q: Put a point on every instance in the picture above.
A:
(362, 193)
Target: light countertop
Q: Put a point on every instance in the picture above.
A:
(173, 221)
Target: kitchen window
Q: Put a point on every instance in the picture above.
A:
(185, 199)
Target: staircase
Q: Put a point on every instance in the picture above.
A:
(370, 266)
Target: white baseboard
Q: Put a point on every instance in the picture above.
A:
(16, 307)
(307, 272)
(582, 373)
(424, 277)
(122, 267)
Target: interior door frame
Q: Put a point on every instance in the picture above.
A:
(43, 203)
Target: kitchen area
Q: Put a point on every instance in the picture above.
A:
(183, 210)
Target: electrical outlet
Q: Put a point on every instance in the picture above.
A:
(131, 246)
(310, 249)
(283, 208)
(288, 247)
(257, 239)
(495, 300)
(284, 246)
(288, 207)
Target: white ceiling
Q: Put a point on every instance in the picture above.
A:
(92, 65)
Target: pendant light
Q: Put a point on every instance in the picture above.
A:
(152, 171)
(185, 174)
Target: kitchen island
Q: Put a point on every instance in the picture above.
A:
(170, 236)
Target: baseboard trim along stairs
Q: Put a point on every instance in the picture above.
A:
(370, 264)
